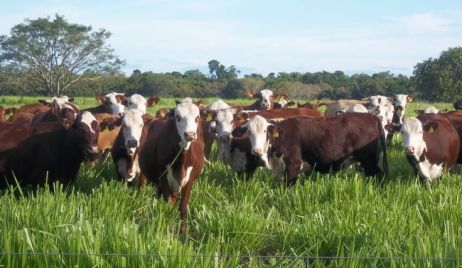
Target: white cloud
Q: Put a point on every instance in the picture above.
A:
(429, 22)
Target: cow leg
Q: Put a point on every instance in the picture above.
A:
(186, 193)
(293, 168)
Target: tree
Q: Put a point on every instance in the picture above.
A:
(58, 53)
(440, 79)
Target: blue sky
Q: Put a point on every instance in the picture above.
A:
(262, 36)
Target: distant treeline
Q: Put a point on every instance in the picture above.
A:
(433, 80)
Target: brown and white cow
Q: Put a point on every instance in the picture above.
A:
(52, 156)
(173, 154)
(325, 144)
(136, 101)
(111, 103)
(236, 152)
(126, 148)
(431, 145)
(60, 111)
(265, 100)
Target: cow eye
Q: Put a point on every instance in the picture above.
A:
(178, 118)
(197, 119)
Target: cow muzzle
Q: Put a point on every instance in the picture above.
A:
(225, 137)
(190, 136)
(409, 150)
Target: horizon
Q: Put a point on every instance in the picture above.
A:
(262, 37)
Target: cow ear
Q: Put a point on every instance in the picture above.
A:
(200, 104)
(240, 131)
(210, 116)
(275, 131)
(101, 99)
(410, 98)
(105, 125)
(392, 127)
(152, 101)
(121, 99)
(430, 127)
(419, 112)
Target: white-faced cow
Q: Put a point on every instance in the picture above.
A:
(325, 144)
(52, 156)
(173, 155)
(431, 145)
(125, 151)
(139, 102)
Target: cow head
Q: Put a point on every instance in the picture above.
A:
(399, 102)
(257, 127)
(187, 116)
(114, 101)
(132, 127)
(280, 101)
(265, 99)
(413, 136)
(137, 102)
(88, 129)
(225, 123)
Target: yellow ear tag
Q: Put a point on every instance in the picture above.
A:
(209, 118)
(276, 134)
(430, 130)
(106, 130)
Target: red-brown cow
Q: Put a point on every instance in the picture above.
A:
(431, 144)
(326, 144)
(11, 134)
(173, 155)
(52, 156)
(236, 152)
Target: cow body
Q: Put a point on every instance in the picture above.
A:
(12, 134)
(52, 156)
(334, 107)
(173, 154)
(431, 144)
(326, 144)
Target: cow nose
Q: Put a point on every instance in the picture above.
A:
(190, 136)
(257, 152)
(132, 143)
(225, 137)
(409, 149)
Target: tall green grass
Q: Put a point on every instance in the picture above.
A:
(331, 220)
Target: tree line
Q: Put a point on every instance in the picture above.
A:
(53, 57)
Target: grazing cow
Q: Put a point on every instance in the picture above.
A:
(173, 154)
(236, 152)
(125, 151)
(326, 144)
(334, 107)
(111, 103)
(458, 105)
(52, 156)
(430, 145)
(264, 100)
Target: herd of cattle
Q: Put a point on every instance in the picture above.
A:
(47, 141)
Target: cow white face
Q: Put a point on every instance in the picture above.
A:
(88, 124)
(377, 100)
(225, 125)
(400, 102)
(116, 104)
(187, 120)
(218, 105)
(266, 99)
(413, 142)
(258, 128)
(137, 102)
(132, 127)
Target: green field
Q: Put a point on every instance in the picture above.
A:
(356, 220)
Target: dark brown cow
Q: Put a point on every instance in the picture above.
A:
(52, 156)
(326, 144)
(431, 144)
(125, 151)
(11, 134)
(173, 155)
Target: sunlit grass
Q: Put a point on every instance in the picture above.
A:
(234, 222)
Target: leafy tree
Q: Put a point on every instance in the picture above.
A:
(58, 53)
(440, 79)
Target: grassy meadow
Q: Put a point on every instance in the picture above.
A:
(332, 220)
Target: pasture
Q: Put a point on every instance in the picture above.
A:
(341, 219)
